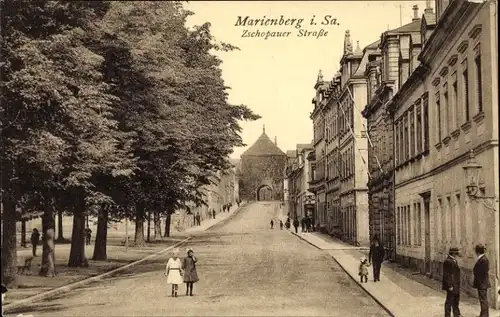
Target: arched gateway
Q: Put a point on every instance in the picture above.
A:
(261, 170)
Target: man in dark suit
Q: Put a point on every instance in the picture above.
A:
(481, 280)
(451, 284)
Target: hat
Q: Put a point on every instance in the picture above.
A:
(4, 289)
(189, 249)
(453, 251)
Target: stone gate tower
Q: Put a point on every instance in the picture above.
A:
(262, 168)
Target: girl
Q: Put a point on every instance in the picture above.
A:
(363, 270)
(174, 272)
(190, 274)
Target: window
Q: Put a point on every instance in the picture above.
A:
(418, 113)
(452, 216)
(454, 93)
(438, 115)
(425, 112)
(396, 135)
(408, 225)
(417, 220)
(479, 80)
(457, 211)
(398, 225)
(401, 143)
(412, 133)
(406, 139)
(446, 105)
(465, 80)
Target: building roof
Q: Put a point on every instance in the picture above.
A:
(303, 146)
(429, 17)
(373, 45)
(263, 147)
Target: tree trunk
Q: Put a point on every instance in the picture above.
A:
(100, 252)
(77, 253)
(139, 226)
(157, 223)
(60, 234)
(48, 260)
(9, 241)
(167, 225)
(23, 233)
(149, 226)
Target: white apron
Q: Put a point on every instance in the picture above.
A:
(173, 271)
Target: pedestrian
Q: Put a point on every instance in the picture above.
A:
(213, 213)
(287, 224)
(376, 257)
(272, 223)
(296, 224)
(88, 235)
(35, 239)
(281, 225)
(481, 280)
(224, 208)
(303, 224)
(451, 284)
(190, 274)
(173, 272)
(363, 270)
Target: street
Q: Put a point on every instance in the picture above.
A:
(245, 268)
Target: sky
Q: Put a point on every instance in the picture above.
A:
(275, 77)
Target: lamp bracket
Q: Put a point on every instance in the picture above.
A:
(487, 201)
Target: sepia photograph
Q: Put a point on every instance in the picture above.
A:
(249, 158)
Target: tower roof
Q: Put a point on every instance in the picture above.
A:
(263, 147)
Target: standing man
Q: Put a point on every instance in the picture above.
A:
(88, 235)
(213, 212)
(481, 280)
(451, 283)
(35, 239)
(376, 256)
(296, 224)
(272, 223)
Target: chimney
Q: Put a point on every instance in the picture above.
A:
(415, 13)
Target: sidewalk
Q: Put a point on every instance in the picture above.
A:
(397, 293)
(208, 223)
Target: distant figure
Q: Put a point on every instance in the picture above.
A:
(213, 213)
(296, 224)
(481, 280)
(281, 225)
(88, 235)
(35, 239)
(224, 208)
(303, 224)
(272, 223)
(376, 256)
(363, 270)
(238, 202)
(451, 283)
(287, 223)
(198, 219)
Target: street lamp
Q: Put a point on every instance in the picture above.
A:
(472, 171)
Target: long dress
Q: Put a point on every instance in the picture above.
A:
(189, 266)
(173, 271)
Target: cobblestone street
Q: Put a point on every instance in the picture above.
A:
(245, 269)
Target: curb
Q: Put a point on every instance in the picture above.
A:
(227, 218)
(64, 289)
(351, 276)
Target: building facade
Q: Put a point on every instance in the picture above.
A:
(340, 176)
(391, 60)
(447, 107)
(261, 167)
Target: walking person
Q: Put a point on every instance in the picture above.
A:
(213, 213)
(376, 257)
(451, 284)
(272, 223)
(481, 279)
(281, 225)
(303, 224)
(173, 272)
(296, 224)
(35, 239)
(190, 274)
(88, 235)
(287, 224)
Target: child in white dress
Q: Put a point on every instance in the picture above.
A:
(173, 272)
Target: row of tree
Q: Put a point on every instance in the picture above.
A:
(114, 109)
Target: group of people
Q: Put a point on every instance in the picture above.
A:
(452, 278)
(306, 223)
(182, 271)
